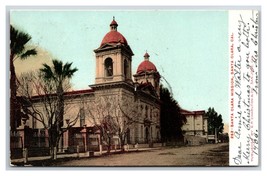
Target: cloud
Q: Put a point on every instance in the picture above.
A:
(33, 62)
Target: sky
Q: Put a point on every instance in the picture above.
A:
(189, 48)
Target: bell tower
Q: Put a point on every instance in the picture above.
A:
(113, 57)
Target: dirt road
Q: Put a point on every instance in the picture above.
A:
(204, 155)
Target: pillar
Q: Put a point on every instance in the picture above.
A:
(84, 135)
(66, 139)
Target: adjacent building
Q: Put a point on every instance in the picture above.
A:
(196, 127)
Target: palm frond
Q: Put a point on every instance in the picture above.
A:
(13, 34)
(31, 52)
(18, 39)
(67, 71)
(57, 67)
(59, 72)
(47, 72)
(71, 72)
(66, 68)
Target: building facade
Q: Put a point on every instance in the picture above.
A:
(196, 127)
(114, 84)
(132, 106)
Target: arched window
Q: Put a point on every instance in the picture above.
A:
(125, 69)
(108, 67)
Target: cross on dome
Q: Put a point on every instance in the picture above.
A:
(113, 25)
(146, 56)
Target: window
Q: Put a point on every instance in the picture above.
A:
(141, 110)
(142, 131)
(108, 67)
(146, 112)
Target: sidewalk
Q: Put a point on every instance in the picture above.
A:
(76, 155)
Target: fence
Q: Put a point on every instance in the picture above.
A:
(34, 140)
(16, 145)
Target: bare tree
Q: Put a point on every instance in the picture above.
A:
(115, 115)
(39, 102)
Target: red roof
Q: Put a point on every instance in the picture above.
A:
(200, 112)
(74, 92)
(114, 37)
(183, 111)
(145, 66)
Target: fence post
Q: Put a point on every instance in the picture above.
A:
(100, 149)
(25, 155)
(55, 153)
(136, 146)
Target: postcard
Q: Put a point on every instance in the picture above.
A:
(134, 87)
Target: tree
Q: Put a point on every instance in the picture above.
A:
(56, 76)
(215, 122)
(171, 118)
(18, 41)
(43, 96)
(115, 116)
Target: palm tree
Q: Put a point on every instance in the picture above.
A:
(18, 40)
(56, 76)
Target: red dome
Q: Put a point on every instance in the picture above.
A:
(114, 37)
(146, 65)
